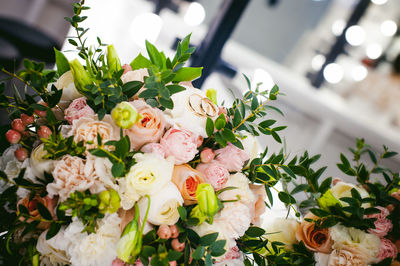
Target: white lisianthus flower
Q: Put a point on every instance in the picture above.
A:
(251, 145)
(38, 164)
(191, 109)
(350, 236)
(241, 192)
(66, 83)
(282, 230)
(96, 248)
(149, 174)
(163, 205)
(54, 248)
(343, 189)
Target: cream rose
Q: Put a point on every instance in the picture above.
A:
(71, 174)
(283, 230)
(349, 236)
(66, 83)
(149, 174)
(342, 189)
(163, 205)
(191, 109)
(38, 164)
(86, 129)
(348, 256)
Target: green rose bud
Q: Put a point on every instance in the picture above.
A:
(129, 240)
(212, 95)
(327, 200)
(207, 201)
(113, 62)
(81, 76)
(196, 213)
(125, 115)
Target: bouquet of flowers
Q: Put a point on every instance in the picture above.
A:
(131, 164)
(345, 224)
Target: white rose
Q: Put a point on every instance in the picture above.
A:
(133, 75)
(38, 164)
(282, 230)
(350, 236)
(54, 248)
(163, 205)
(66, 83)
(128, 196)
(191, 109)
(343, 189)
(149, 174)
(96, 248)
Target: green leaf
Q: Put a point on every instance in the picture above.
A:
(187, 74)
(255, 231)
(300, 188)
(174, 255)
(276, 137)
(155, 56)
(140, 62)
(217, 248)
(61, 62)
(267, 123)
(319, 212)
(117, 169)
(167, 103)
(209, 127)
(228, 135)
(220, 122)
(99, 153)
(247, 81)
(274, 108)
(329, 222)
(131, 88)
(198, 253)
(53, 230)
(372, 156)
(149, 93)
(182, 212)
(44, 212)
(389, 154)
(286, 198)
(148, 251)
(208, 239)
(325, 185)
(208, 259)
(288, 171)
(175, 88)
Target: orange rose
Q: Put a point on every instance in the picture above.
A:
(187, 179)
(31, 205)
(315, 239)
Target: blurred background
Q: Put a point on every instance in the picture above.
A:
(336, 61)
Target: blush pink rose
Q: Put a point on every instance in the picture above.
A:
(156, 148)
(77, 109)
(216, 174)
(207, 155)
(149, 129)
(232, 157)
(181, 144)
(382, 224)
(387, 249)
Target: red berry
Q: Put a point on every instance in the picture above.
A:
(40, 113)
(174, 231)
(18, 125)
(172, 263)
(176, 245)
(21, 154)
(164, 232)
(27, 119)
(44, 132)
(13, 136)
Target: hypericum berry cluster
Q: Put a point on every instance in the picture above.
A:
(172, 231)
(19, 129)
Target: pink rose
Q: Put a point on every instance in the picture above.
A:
(387, 249)
(216, 174)
(181, 144)
(149, 129)
(232, 157)
(382, 224)
(207, 155)
(156, 148)
(77, 109)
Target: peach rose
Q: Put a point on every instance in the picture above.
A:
(187, 179)
(215, 173)
(31, 205)
(382, 224)
(77, 109)
(232, 157)
(86, 129)
(348, 256)
(179, 143)
(150, 128)
(71, 174)
(387, 249)
(259, 205)
(315, 239)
